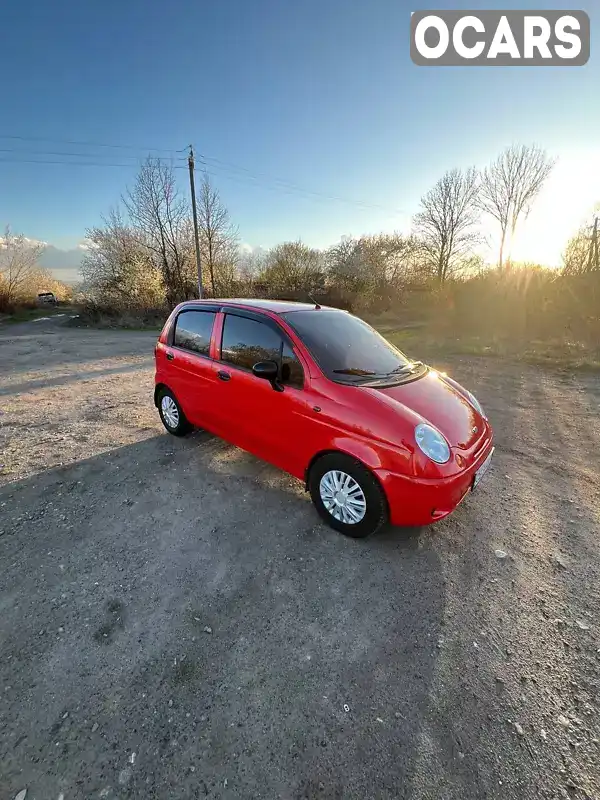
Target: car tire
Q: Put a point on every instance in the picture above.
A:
(325, 473)
(171, 414)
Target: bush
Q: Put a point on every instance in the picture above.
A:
(106, 315)
(14, 306)
(530, 303)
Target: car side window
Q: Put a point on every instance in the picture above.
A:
(193, 330)
(246, 341)
(292, 373)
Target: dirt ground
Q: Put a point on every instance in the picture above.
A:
(177, 623)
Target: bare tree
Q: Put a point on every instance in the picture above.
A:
(159, 214)
(18, 265)
(372, 262)
(219, 238)
(510, 185)
(389, 258)
(294, 267)
(345, 265)
(446, 223)
(251, 263)
(117, 267)
(582, 253)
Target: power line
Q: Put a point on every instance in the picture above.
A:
(241, 179)
(228, 165)
(91, 144)
(295, 187)
(292, 192)
(226, 169)
(25, 151)
(63, 163)
(73, 163)
(289, 188)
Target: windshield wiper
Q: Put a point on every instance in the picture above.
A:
(407, 368)
(354, 371)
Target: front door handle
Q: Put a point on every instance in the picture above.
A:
(170, 356)
(224, 376)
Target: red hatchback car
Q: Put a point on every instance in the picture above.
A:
(320, 394)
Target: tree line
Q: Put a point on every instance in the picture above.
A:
(21, 276)
(142, 255)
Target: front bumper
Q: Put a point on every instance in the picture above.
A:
(421, 501)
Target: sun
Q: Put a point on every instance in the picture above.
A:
(568, 198)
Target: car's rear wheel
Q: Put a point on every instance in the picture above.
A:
(171, 414)
(347, 495)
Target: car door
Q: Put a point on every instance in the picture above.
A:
(190, 369)
(273, 425)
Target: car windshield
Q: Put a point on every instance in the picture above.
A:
(345, 347)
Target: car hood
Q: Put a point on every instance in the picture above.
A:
(442, 405)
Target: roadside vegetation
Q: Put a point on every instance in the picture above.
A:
(22, 279)
(27, 313)
(427, 289)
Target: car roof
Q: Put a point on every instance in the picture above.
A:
(276, 306)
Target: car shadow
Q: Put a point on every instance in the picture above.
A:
(181, 601)
(74, 377)
(29, 346)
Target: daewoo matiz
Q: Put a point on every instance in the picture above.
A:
(320, 394)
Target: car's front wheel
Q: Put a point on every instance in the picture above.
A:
(347, 495)
(171, 414)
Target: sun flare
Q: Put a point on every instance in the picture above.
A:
(566, 201)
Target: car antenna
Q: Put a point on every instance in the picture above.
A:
(312, 300)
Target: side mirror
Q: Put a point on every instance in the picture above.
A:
(269, 371)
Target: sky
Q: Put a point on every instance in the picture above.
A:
(318, 95)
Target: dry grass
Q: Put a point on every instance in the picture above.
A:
(92, 315)
(531, 315)
(28, 312)
(556, 353)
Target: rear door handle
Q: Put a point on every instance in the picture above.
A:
(224, 376)
(170, 356)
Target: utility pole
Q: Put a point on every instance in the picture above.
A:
(594, 259)
(195, 215)
(596, 250)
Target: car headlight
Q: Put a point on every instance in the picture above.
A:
(432, 443)
(476, 404)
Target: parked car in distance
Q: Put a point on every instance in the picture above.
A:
(319, 393)
(47, 299)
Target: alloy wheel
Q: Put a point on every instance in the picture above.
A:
(343, 497)
(170, 411)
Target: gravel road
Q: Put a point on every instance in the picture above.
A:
(177, 623)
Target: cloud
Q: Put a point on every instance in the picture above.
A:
(66, 261)
(86, 245)
(64, 264)
(32, 242)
